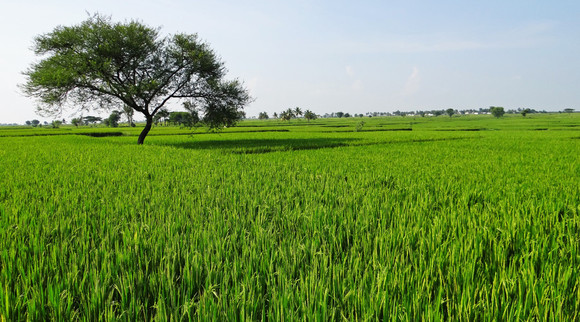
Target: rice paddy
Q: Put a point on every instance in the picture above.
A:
(464, 218)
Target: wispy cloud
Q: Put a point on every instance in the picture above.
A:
(349, 71)
(413, 82)
(523, 36)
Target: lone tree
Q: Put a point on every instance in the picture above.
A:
(129, 112)
(497, 111)
(56, 124)
(309, 115)
(297, 111)
(525, 112)
(100, 64)
(77, 121)
(91, 119)
(450, 112)
(113, 119)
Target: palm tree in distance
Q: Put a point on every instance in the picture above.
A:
(297, 112)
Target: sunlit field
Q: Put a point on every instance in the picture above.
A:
(396, 218)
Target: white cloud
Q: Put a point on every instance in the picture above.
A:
(349, 71)
(413, 82)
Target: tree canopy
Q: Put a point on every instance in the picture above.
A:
(497, 111)
(309, 115)
(100, 64)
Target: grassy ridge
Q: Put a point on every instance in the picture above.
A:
(305, 224)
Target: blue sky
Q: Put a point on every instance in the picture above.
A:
(345, 56)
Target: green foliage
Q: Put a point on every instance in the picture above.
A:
(525, 112)
(161, 116)
(89, 119)
(129, 112)
(450, 112)
(309, 115)
(113, 119)
(77, 121)
(183, 119)
(99, 64)
(287, 115)
(497, 111)
(314, 223)
(263, 116)
(298, 111)
(56, 124)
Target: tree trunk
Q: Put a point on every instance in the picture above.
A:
(145, 130)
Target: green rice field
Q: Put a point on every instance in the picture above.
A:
(467, 218)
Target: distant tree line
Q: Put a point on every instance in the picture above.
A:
(190, 117)
(497, 111)
(449, 112)
(290, 114)
(54, 124)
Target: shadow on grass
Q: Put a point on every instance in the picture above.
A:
(249, 146)
(258, 146)
(464, 130)
(101, 134)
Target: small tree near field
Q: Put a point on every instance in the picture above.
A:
(525, 112)
(287, 115)
(129, 112)
(76, 121)
(56, 124)
(193, 117)
(113, 119)
(89, 119)
(183, 119)
(450, 112)
(497, 111)
(309, 115)
(297, 111)
(263, 116)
